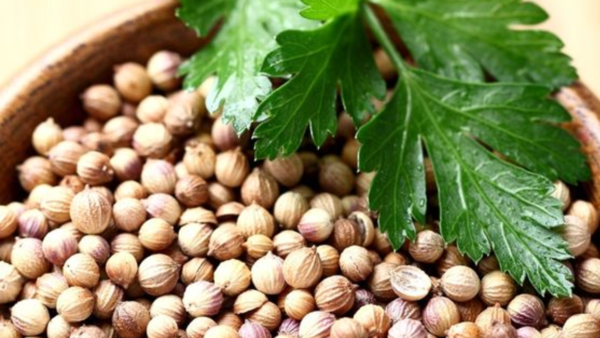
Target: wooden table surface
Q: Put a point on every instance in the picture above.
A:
(28, 27)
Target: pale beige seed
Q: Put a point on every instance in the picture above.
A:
(460, 283)
(410, 283)
(248, 301)
(497, 287)
(122, 268)
(75, 304)
(577, 235)
(439, 315)
(267, 274)
(581, 326)
(30, 317)
(355, 263)
(302, 268)
(233, 277)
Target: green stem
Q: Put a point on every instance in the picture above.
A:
(384, 39)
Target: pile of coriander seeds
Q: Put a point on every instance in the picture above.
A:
(151, 219)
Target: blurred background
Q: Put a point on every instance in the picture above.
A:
(28, 27)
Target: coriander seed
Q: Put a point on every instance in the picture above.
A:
(161, 327)
(122, 268)
(45, 136)
(226, 242)
(30, 317)
(107, 296)
(202, 299)
(75, 304)
(58, 245)
(355, 263)
(28, 258)
(130, 319)
(287, 241)
(156, 234)
(316, 324)
(302, 268)
(260, 188)
(158, 176)
(439, 315)
(289, 208)
(379, 281)
(374, 320)
(170, 306)
(328, 202)
(198, 326)
(200, 159)
(157, 274)
(152, 109)
(315, 225)
(427, 248)
(299, 303)
(197, 269)
(330, 260)
(347, 328)
(410, 283)
(267, 274)
(101, 102)
(254, 330)
(497, 287)
(94, 168)
(233, 277)
(194, 239)
(460, 283)
(586, 212)
(527, 310)
(258, 246)
(91, 211)
(11, 283)
(162, 70)
(126, 164)
(96, 247)
(81, 270)
(287, 171)
(64, 157)
(49, 287)
(256, 220)
(399, 309)
(152, 140)
(163, 206)
(132, 82)
(33, 223)
(333, 294)
(336, 177)
(232, 168)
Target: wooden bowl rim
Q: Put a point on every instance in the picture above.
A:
(24, 79)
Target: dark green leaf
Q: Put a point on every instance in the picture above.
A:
(485, 203)
(465, 38)
(237, 52)
(337, 54)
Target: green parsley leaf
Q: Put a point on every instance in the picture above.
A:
(327, 9)
(485, 203)
(335, 54)
(463, 39)
(202, 15)
(237, 52)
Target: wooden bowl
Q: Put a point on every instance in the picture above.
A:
(51, 86)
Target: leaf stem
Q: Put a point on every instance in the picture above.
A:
(384, 39)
